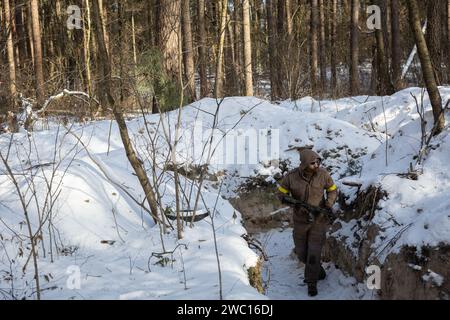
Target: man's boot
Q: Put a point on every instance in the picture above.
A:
(322, 273)
(312, 289)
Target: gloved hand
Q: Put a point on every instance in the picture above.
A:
(285, 200)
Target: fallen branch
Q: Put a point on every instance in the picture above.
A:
(160, 255)
(393, 240)
(63, 94)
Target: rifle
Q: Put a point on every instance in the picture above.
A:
(313, 211)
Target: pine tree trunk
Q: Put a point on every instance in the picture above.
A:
(448, 41)
(271, 30)
(168, 38)
(282, 48)
(232, 74)
(102, 57)
(202, 55)
(29, 29)
(247, 48)
(87, 48)
(257, 44)
(385, 84)
(21, 35)
(333, 46)
(12, 90)
(396, 50)
(427, 66)
(322, 55)
(433, 35)
(218, 91)
(288, 7)
(104, 19)
(121, 33)
(149, 28)
(314, 50)
(238, 44)
(354, 48)
(37, 45)
(188, 51)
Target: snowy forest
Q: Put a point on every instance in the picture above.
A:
(224, 150)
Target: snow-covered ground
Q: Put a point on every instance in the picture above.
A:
(95, 195)
(89, 204)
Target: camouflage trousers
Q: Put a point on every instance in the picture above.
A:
(309, 239)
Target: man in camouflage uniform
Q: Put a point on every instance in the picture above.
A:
(308, 183)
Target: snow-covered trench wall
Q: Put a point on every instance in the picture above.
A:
(93, 239)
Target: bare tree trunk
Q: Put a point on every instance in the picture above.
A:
(282, 48)
(354, 48)
(448, 41)
(104, 20)
(230, 56)
(168, 37)
(433, 35)
(258, 32)
(271, 31)
(322, 55)
(87, 46)
(38, 64)
(247, 48)
(30, 41)
(385, 84)
(122, 46)
(233, 55)
(10, 54)
(374, 78)
(188, 51)
(333, 46)
(288, 7)
(133, 42)
(149, 34)
(238, 44)
(21, 35)
(202, 57)
(396, 50)
(427, 66)
(218, 91)
(105, 66)
(314, 50)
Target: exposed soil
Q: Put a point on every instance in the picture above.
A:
(261, 210)
(408, 275)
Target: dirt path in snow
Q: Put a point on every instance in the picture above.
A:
(285, 275)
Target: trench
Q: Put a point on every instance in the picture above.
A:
(406, 275)
(282, 273)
